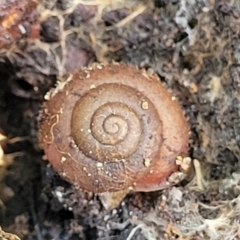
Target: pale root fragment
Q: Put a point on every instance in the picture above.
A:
(7, 236)
(111, 200)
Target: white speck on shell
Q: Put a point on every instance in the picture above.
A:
(144, 105)
(147, 162)
(99, 165)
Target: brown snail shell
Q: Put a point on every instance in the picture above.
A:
(113, 127)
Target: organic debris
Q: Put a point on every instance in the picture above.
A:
(193, 46)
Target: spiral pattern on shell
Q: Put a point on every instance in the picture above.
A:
(104, 129)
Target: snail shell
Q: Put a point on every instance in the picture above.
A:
(113, 127)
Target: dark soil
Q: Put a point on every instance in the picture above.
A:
(194, 47)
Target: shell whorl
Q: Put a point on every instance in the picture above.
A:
(105, 130)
